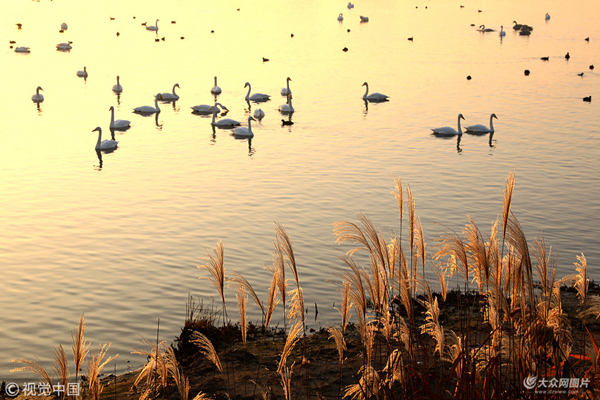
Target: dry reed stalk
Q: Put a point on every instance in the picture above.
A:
(239, 279)
(156, 364)
(242, 300)
(215, 267)
(202, 396)
(477, 252)
(368, 339)
(285, 244)
(290, 342)
(581, 281)
(181, 381)
(286, 381)
(517, 239)
(340, 344)
(272, 301)
(432, 325)
(80, 347)
(345, 306)
(508, 192)
(61, 368)
(442, 279)
(279, 265)
(94, 368)
(367, 387)
(297, 308)
(394, 369)
(206, 347)
(453, 246)
(34, 367)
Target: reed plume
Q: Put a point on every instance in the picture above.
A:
(367, 387)
(35, 367)
(272, 300)
(157, 364)
(508, 193)
(61, 368)
(290, 342)
(206, 347)
(581, 281)
(240, 280)
(94, 368)
(202, 396)
(297, 308)
(345, 306)
(242, 300)
(80, 346)
(181, 381)
(215, 267)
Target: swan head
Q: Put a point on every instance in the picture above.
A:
(39, 88)
(493, 116)
(365, 84)
(97, 129)
(460, 116)
(222, 106)
(288, 79)
(176, 85)
(246, 84)
(111, 108)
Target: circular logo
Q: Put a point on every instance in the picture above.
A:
(530, 382)
(12, 389)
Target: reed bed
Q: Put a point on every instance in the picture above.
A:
(508, 329)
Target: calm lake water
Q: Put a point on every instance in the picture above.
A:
(121, 239)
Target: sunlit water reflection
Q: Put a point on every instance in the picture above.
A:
(119, 235)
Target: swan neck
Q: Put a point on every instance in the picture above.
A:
(156, 104)
(99, 138)
(366, 91)
(112, 117)
(459, 128)
(174, 86)
(491, 124)
(248, 94)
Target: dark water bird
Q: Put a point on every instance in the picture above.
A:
(292, 35)
(545, 58)
(482, 28)
(12, 42)
(284, 122)
(173, 22)
(592, 66)
(19, 25)
(567, 56)
(461, 6)
(265, 59)
(345, 49)
(588, 99)
(212, 31)
(468, 77)
(525, 30)
(157, 40)
(182, 37)
(587, 39)
(410, 38)
(580, 74)
(348, 30)
(118, 34)
(517, 27)
(112, 18)
(527, 72)
(162, 38)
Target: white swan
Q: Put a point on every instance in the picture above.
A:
(64, 46)
(364, 19)
(447, 130)
(482, 28)
(479, 128)
(340, 17)
(154, 27)
(203, 109)
(287, 108)
(22, 49)
(216, 89)
(259, 114)
(170, 96)
(375, 97)
(64, 26)
(82, 74)
(547, 16)
(502, 33)
(104, 144)
(286, 90)
(223, 123)
(149, 109)
(350, 6)
(243, 132)
(117, 88)
(37, 97)
(120, 124)
(256, 97)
